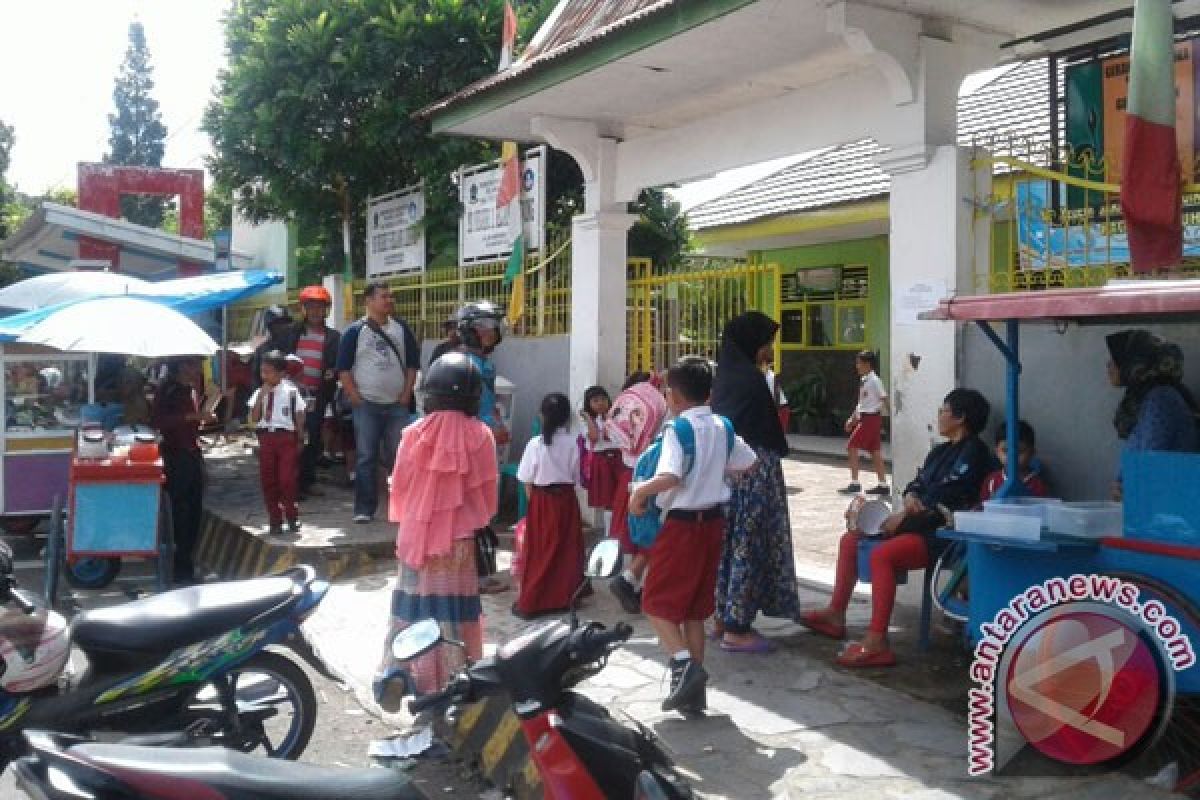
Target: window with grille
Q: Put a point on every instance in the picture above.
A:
(825, 308)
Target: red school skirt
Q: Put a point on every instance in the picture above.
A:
(620, 512)
(552, 551)
(602, 482)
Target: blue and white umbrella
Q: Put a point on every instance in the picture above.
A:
(127, 325)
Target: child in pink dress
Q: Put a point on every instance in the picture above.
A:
(443, 490)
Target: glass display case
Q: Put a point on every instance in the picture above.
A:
(43, 393)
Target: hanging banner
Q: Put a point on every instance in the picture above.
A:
(1096, 92)
(1094, 237)
(396, 232)
(483, 233)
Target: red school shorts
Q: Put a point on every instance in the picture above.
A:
(866, 434)
(681, 580)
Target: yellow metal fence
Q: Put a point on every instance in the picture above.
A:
(1055, 217)
(678, 312)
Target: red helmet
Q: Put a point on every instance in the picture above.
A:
(316, 294)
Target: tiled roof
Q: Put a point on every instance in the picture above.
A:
(1009, 114)
(575, 25)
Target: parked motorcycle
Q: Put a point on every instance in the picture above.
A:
(580, 751)
(189, 666)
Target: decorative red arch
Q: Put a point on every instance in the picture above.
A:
(101, 187)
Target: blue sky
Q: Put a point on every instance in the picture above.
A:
(62, 57)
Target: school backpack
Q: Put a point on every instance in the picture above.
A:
(644, 527)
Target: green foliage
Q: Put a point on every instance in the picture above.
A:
(6, 200)
(661, 232)
(314, 112)
(137, 135)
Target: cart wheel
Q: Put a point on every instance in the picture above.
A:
(1179, 743)
(93, 573)
(948, 587)
(20, 526)
(54, 552)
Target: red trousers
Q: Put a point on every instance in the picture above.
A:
(902, 551)
(552, 550)
(278, 463)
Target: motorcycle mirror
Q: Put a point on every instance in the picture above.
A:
(418, 638)
(605, 559)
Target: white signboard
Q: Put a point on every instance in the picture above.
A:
(915, 298)
(483, 229)
(396, 233)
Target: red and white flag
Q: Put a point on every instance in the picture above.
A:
(508, 41)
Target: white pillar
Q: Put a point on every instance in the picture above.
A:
(932, 255)
(598, 256)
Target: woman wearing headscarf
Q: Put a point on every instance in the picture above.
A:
(757, 572)
(1157, 411)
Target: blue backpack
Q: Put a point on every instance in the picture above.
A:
(644, 527)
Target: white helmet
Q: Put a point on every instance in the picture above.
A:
(34, 649)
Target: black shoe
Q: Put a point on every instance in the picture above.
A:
(687, 682)
(853, 488)
(882, 490)
(623, 590)
(276, 529)
(293, 526)
(696, 705)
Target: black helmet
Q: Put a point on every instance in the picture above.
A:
(275, 314)
(453, 375)
(479, 313)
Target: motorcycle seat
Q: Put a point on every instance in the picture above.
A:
(163, 622)
(188, 772)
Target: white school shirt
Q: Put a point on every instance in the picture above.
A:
(705, 485)
(545, 464)
(603, 443)
(871, 394)
(286, 400)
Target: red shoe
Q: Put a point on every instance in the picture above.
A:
(817, 623)
(856, 656)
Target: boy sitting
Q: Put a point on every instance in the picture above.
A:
(1028, 468)
(681, 579)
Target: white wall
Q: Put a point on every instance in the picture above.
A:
(267, 246)
(1066, 397)
(537, 366)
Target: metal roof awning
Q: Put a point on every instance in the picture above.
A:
(1120, 299)
(49, 241)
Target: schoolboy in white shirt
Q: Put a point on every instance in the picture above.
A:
(682, 575)
(277, 415)
(866, 424)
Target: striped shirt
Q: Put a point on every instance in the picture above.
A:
(309, 349)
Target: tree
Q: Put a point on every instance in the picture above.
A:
(137, 136)
(6, 142)
(314, 113)
(661, 232)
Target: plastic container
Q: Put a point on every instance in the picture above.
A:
(1005, 526)
(1089, 520)
(1024, 506)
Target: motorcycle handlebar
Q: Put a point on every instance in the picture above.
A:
(21, 603)
(455, 688)
(603, 639)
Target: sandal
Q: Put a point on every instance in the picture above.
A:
(758, 646)
(817, 622)
(855, 656)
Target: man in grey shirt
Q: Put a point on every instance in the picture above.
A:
(377, 366)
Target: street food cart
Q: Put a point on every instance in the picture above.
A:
(1153, 545)
(44, 392)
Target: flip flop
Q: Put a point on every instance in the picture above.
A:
(819, 624)
(856, 656)
(759, 646)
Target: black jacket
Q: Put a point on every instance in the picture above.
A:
(329, 354)
(951, 477)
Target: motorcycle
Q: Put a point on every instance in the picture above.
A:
(580, 751)
(185, 667)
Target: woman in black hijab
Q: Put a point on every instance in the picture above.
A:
(757, 572)
(1157, 411)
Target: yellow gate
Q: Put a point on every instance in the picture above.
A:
(674, 313)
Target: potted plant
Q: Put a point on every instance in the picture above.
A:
(808, 399)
